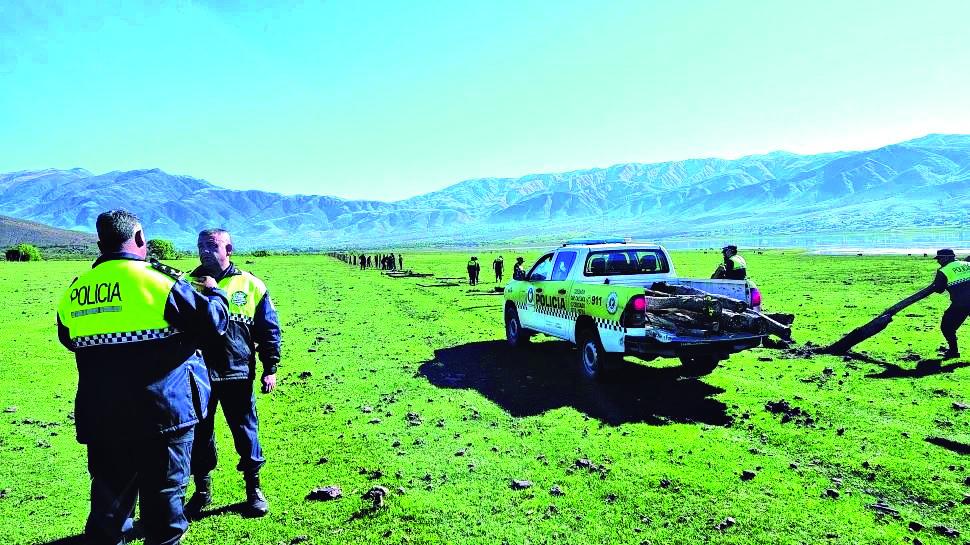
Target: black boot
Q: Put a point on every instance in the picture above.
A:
(202, 497)
(256, 504)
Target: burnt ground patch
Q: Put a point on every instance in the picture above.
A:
(540, 378)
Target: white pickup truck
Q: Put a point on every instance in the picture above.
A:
(595, 293)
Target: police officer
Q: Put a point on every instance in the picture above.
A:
(518, 271)
(134, 328)
(953, 276)
(734, 266)
(473, 269)
(253, 329)
(499, 266)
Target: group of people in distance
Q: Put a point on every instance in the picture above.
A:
(474, 269)
(156, 352)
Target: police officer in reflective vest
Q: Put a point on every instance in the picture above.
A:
(253, 329)
(134, 328)
(734, 266)
(954, 277)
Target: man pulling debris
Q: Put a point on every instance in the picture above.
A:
(954, 277)
(734, 266)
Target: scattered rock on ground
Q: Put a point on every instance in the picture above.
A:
(325, 493)
(790, 413)
(946, 531)
(520, 484)
(747, 475)
(299, 539)
(883, 508)
(376, 495)
(556, 491)
(960, 406)
(832, 493)
(725, 524)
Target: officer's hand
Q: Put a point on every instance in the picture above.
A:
(207, 282)
(269, 383)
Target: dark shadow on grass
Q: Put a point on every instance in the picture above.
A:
(923, 368)
(238, 508)
(495, 306)
(135, 533)
(955, 446)
(72, 540)
(537, 379)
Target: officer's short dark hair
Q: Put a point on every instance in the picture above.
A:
(216, 231)
(115, 227)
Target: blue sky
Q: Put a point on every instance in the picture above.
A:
(386, 100)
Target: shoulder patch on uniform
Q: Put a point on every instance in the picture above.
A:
(166, 269)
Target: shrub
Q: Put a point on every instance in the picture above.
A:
(159, 248)
(260, 253)
(23, 252)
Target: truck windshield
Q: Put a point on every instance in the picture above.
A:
(626, 261)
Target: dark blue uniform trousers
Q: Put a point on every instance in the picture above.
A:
(239, 407)
(154, 469)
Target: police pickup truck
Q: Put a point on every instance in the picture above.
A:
(595, 293)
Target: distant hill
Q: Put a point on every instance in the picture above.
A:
(14, 231)
(920, 183)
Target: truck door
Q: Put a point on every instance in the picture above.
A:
(536, 279)
(554, 296)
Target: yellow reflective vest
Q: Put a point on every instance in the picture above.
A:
(118, 301)
(956, 273)
(739, 262)
(245, 292)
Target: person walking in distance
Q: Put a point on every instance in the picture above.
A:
(253, 330)
(134, 327)
(499, 266)
(473, 270)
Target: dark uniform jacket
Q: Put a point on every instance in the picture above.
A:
(149, 386)
(233, 357)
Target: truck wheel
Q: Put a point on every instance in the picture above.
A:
(515, 334)
(699, 364)
(594, 362)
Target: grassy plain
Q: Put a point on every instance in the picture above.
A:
(386, 382)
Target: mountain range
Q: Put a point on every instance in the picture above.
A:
(919, 183)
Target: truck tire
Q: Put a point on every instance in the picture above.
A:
(595, 363)
(516, 335)
(697, 365)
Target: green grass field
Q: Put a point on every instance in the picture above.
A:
(387, 383)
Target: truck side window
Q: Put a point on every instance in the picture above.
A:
(542, 269)
(564, 262)
(627, 261)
